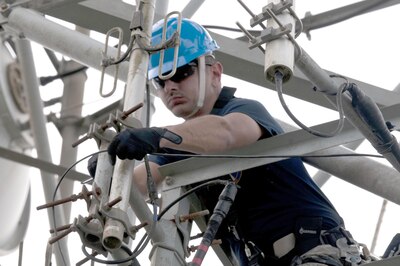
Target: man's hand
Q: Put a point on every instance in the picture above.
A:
(136, 143)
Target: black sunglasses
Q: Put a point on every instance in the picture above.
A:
(182, 72)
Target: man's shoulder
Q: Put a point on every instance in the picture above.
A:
(256, 111)
(250, 103)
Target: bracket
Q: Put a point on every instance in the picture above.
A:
(90, 234)
(184, 233)
(275, 8)
(270, 34)
(5, 7)
(121, 216)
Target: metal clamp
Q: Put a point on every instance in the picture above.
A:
(107, 61)
(98, 131)
(121, 216)
(95, 131)
(275, 8)
(6, 6)
(90, 233)
(270, 34)
(184, 233)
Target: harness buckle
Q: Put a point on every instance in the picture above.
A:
(349, 252)
(254, 254)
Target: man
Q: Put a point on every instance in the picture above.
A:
(279, 213)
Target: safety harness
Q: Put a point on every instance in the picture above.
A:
(253, 253)
(308, 232)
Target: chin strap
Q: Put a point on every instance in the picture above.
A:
(202, 85)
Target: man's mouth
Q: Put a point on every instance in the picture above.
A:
(173, 101)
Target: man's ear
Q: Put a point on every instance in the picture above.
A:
(217, 70)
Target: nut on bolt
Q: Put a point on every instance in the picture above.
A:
(169, 180)
(4, 6)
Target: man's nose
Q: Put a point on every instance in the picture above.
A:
(170, 86)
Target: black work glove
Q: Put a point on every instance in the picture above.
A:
(92, 164)
(135, 143)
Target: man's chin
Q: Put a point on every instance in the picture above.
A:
(182, 113)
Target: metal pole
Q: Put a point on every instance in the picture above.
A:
(38, 124)
(71, 108)
(362, 172)
(370, 175)
(171, 247)
(190, 9)
(321, 177)
(104, 169)
(378, 225)
(73, 44)
(343, 13)
(122, 176)
(331, 86)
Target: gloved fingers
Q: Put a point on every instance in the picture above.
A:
(112, 149)
(131, 152)
(123, 151)
(139, 156)
(134, 144)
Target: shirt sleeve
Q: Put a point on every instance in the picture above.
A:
(256, 111)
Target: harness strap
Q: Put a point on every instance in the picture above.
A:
(227, 93)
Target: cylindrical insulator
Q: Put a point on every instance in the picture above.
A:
(279, 53)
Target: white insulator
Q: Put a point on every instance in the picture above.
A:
(279, 53)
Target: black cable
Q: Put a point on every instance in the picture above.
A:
(145, 240)
(135, 262)
(128, 51)
(152, 49)
(278, 83)
(45, 80)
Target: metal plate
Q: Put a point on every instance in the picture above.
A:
(14, 182)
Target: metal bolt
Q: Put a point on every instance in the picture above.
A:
(135, 229)
(192, 216)
(4, 6)
(169, 180)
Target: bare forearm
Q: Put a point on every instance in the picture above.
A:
(214, 133)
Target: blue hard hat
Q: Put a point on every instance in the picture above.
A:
(195, 41)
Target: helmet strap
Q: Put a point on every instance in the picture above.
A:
(202, 85)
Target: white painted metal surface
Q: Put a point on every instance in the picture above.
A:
(14, 177)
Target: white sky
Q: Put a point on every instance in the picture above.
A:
(363, 48)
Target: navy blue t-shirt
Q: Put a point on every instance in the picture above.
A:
(272, 196)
